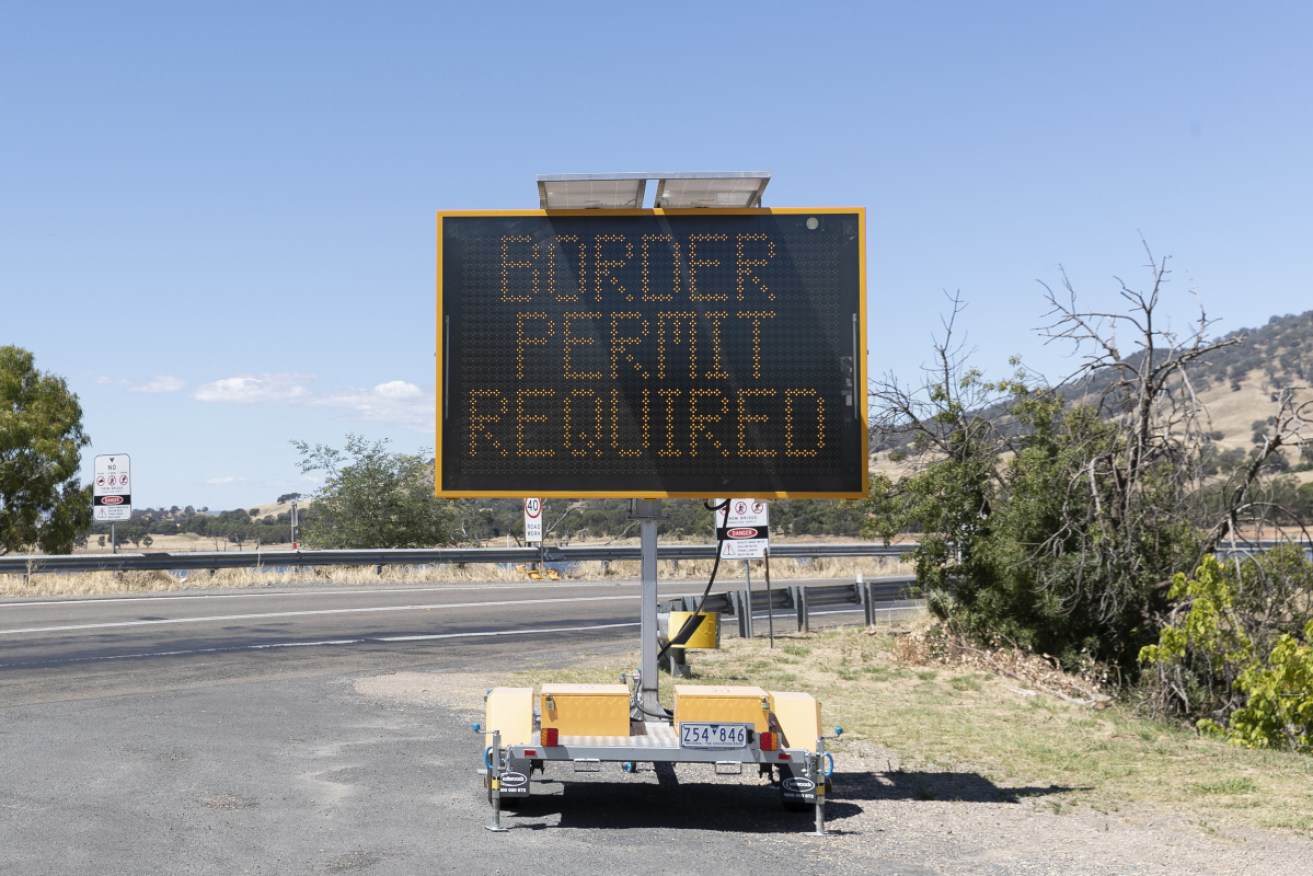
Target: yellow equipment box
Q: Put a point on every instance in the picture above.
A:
(707, 635)
(799, 717)
(585, 709)
(722, 704)
(510, 710)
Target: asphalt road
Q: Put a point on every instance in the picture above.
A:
(62, 649)
(329, 731)
(73, 649)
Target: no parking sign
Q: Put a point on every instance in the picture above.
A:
(742, 528)
(112, 488)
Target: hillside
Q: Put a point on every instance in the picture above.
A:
(1237, 385)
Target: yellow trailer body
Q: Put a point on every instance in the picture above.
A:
(723, 704)
(510, 710)
(585, 709)
(799, 717)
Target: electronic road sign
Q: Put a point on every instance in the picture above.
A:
(651, 353)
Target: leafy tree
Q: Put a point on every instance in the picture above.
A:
(1238, 649)
(1056, 516)
(372, 498)
(42, 505)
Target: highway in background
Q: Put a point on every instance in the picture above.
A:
(68, 649)
(328, 730)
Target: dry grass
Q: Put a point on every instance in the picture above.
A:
(903, 710)
(111, 583)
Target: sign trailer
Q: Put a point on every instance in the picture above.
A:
(647, 354)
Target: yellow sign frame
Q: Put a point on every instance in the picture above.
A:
(860, 367)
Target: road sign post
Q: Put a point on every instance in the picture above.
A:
(111, 494)
(112, 487)
(742, 528)
(533, 521)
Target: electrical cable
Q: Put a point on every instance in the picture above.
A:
(694, 620)
(691, 624)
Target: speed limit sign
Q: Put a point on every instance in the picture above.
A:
(533, 520)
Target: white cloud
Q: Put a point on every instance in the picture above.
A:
(224, 481)
(396, 401)
(398, 389)
(163, 383)
(252, 390)
(103, 380)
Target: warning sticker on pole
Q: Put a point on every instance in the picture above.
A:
(742, 528)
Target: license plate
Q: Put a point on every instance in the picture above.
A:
(700, 734)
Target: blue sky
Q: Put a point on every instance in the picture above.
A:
(217, 219)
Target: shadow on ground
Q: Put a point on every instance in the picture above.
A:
(942, 786)
(748, 806)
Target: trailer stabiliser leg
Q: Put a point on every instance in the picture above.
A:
(494, 779)
(817, 770)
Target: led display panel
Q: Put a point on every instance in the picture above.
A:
(651, 353)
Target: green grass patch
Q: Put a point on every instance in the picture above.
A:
(1236, 785)
(1057, 755)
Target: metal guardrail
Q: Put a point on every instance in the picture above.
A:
(874, 596)
(127, 562)
(123, 562)
(889, 592)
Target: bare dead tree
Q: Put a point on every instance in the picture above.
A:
(1142, 482)
(947, 414)
(1084, 497)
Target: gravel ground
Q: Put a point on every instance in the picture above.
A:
(376, 774)
(879, 820)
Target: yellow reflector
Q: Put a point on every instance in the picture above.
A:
(707, 635)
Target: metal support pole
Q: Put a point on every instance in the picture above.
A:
(819, 777)
(736, 603)
(494, 782)
(770, 600)
(647, 512)
(747, 576)
(864, 597)
(800, 606)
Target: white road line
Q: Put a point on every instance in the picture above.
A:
(170, 597)
(309, 612)
(269, 646)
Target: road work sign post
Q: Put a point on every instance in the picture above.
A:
(533, 521)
